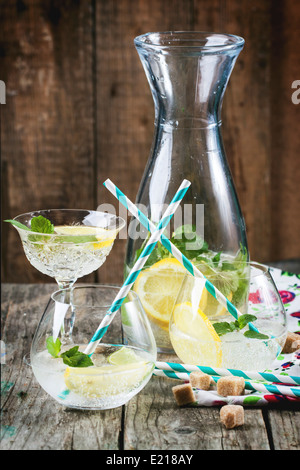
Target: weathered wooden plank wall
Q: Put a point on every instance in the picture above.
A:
(78, 110)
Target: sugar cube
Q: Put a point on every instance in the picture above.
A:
(292, 343)
(230, 385)
(183, 394)
(199, 379)
(232, 416)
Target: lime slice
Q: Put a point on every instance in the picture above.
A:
(123, 356)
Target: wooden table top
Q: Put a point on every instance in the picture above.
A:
(150, 421)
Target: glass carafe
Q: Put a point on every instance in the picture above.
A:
(188, 73)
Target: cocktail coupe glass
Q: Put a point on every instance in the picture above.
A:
(79, 245)
(203, 332)
(122, 362)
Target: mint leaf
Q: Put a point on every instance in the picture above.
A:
(75, 358)
(243, 320)
(53, 346)
(186, 239)
(226, 266)
(240, 295)
(242, 255)
(17, 224)
(72, 357)
(255, 335)
(38, 224)
(207, 267)
(41, 225)
(224, 327)
(217, 257)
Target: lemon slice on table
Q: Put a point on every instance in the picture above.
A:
(158, 287)
(105, 237)
(194, 338)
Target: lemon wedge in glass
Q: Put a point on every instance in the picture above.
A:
(193, 336)
(158, 287)
(124, 371)
(80, 234)
(214, 308)
(105, 381)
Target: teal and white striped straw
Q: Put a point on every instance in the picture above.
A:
(255, 386)
(251, 375)
(120, 297)
(191, 268)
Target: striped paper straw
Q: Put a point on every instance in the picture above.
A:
(120, 297)
(191, 268)
(259, 387)
(251, 375)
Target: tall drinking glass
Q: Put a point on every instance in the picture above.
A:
(202, 332)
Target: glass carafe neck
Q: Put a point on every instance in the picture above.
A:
(188, 73)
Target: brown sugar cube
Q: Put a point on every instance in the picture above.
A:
(199, 379)
(183, 394)
(292, 343)
(227, 386)
(232, 416)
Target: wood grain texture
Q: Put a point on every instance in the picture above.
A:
(246, 121)
(153, 421)
(125, 111)
(285, 426)
(47, 126)
(79, 110)
(285, 135)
